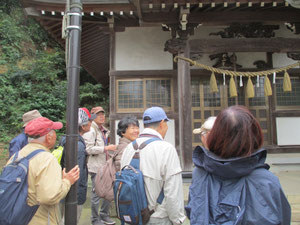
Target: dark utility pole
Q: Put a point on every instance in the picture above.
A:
(73, 68)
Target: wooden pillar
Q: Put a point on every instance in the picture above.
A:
(184, 109)
(272, 134)
(112, 86)
(236, 99)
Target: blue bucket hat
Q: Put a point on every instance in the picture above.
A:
(156, 114)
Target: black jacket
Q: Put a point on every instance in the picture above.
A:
(82, 163)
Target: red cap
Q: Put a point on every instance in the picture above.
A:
(41, 126)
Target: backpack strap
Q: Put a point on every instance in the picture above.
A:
(29, 156)
(149, 135)
(135, 162)
(32, 154)
(143, 145)
(15, 156)
(161, 196)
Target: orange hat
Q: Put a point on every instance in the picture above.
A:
(97, 109)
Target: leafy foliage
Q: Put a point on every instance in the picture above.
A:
(8, 5)
(32, 73)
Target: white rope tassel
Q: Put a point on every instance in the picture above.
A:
(257, 81)
(241, 81)
(274, 78)
(224, 79)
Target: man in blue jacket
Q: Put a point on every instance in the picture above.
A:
(21, 140)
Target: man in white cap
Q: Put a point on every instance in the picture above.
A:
(21, 140)
(205, 129)
(161, 168)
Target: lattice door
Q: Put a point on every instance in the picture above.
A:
(206, 104)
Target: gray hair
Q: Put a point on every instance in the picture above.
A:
(40, 139)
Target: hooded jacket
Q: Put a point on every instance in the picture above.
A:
(81, 160)
(235, 191)
(17, 143)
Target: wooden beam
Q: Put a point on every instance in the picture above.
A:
(119, 25)
(271, 15)
(157, 3)
(144, 73)
(213, 46)
(287, 113)
(138, 115)
(283, 149)
(226, 17)
(87, 8)
(291, 15)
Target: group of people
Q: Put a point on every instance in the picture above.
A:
(231, 183)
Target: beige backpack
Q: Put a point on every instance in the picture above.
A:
(104, 180)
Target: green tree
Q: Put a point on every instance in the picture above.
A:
(32, 73)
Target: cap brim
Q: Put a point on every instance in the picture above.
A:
(155, 121)
(57, 125)
(93, 116)
(100, 111)
(197, 131)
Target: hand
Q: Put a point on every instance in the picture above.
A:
(110, 148)
(72, 175)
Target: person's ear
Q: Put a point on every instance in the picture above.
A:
(48, 137)
(81, 128)
(161, 123)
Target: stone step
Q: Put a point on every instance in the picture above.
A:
(294, 201)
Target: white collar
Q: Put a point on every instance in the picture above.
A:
(151, 131)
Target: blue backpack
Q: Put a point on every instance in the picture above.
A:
(14, 192)
(129, 191)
